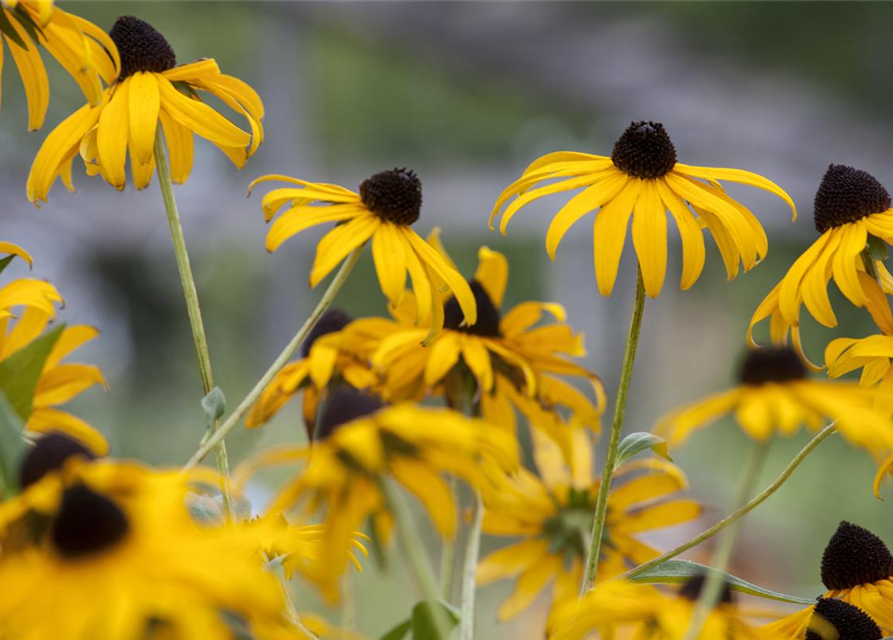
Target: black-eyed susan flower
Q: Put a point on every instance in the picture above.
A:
(149, 89)
(852, 213)
(642, 180)
(384, 210)
(776, 396)
(361, 445)
(857, 569)
(59, 381)
(552, 512)
(82, 48)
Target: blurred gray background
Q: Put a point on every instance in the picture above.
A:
(468, 94)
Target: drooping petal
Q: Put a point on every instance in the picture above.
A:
(144, 103)
(650, 238)
(609, 234)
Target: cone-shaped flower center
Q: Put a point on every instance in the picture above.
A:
(847, 195)
(855, 556)
(345, 405)
(395, 195)
(487, 324)
(691, 590)
(86, 523)
(851, 623)
(141, 47)
(644, 150)
(771, 364)
(331, 321)
(48, 454)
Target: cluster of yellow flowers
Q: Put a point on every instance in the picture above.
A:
(444, 390)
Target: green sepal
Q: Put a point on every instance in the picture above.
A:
(20, 372)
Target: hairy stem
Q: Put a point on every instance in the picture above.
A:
(469, 569)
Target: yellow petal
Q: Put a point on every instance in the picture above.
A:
(431, 490)
(454, 280)
(740, 176)
(200, 118)
(339, 242)
(609, 234)
(50, 420)
(650, 238)
(33, 73)
(511, 560)
(853, 238)
(389, 256)
(478, 360)
(690, 233)
(112, 135)
(179, 143)
(444, 355)
(145, 102)
(492, 273)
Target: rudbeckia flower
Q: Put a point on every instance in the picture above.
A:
(852, 214)
(149, 89)
(59, 381)
(384, 210)
(642, 180)
(26, 292)
(857, 570)
(123, 559)
(515, 359)
(775, 395)
(553, 513)
(361, 445)
(82, 48)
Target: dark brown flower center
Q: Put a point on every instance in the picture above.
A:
(644, 150)
(86, 523)
(771, 364)
(487, 324)
(395, 195)
(344, 405)
(855, 556)
(331, 321)
(141, 47)
(851, 623)
(691, 590)
(48, 454)
(847, 195)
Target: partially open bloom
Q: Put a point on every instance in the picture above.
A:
(854, 218)
(59, 381)
(553, 512)
(384, 210)
(857, 569)
(149, 89)
(359, 446)
(642, 180)
(83, 49)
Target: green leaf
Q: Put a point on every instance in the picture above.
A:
(20, 371)
(214, 405)
(877, 248)
(637, 442)
(398, 632)
(678, 571)
(12, 445)
(10, 32)
(423, 627)
(5, 262)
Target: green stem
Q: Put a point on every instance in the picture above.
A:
(189, 291)
(740, 513)
(415, 554)
(208, 443)
(447, 558)
(469, 570)
(601, 506)
(712, 588)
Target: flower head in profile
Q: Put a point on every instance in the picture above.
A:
(552, 512)
(857, 570)
(642, 180)
(149, 91)
(854, 218)
(362, 444)
(84, 50)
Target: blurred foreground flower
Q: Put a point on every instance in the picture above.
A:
(642, 179)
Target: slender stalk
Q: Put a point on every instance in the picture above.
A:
(189, 292)
(740, 513)
(447, 559)
(469, 570)
(415, 554)
(328, 297)
(626, 372)
(348, 606)
(712, 588)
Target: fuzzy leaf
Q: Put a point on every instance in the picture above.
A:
(637, 442)
(423, 627)
(20, 372)
(214, 405)
(12, 445)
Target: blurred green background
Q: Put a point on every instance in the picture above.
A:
(468, 94)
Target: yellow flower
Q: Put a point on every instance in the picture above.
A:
(852, 213)
(81, 47)
(362, 445)
(59, 382)
(388, 203)
(553, 514)
(857, 569)
(125, 560)
(643, 180)
(149, 89)
(776, 396)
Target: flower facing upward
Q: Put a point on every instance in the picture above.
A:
(388, 203)
(852, 214)
(150, 89)
(83, 49)
(642, 180)
(553, 513)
